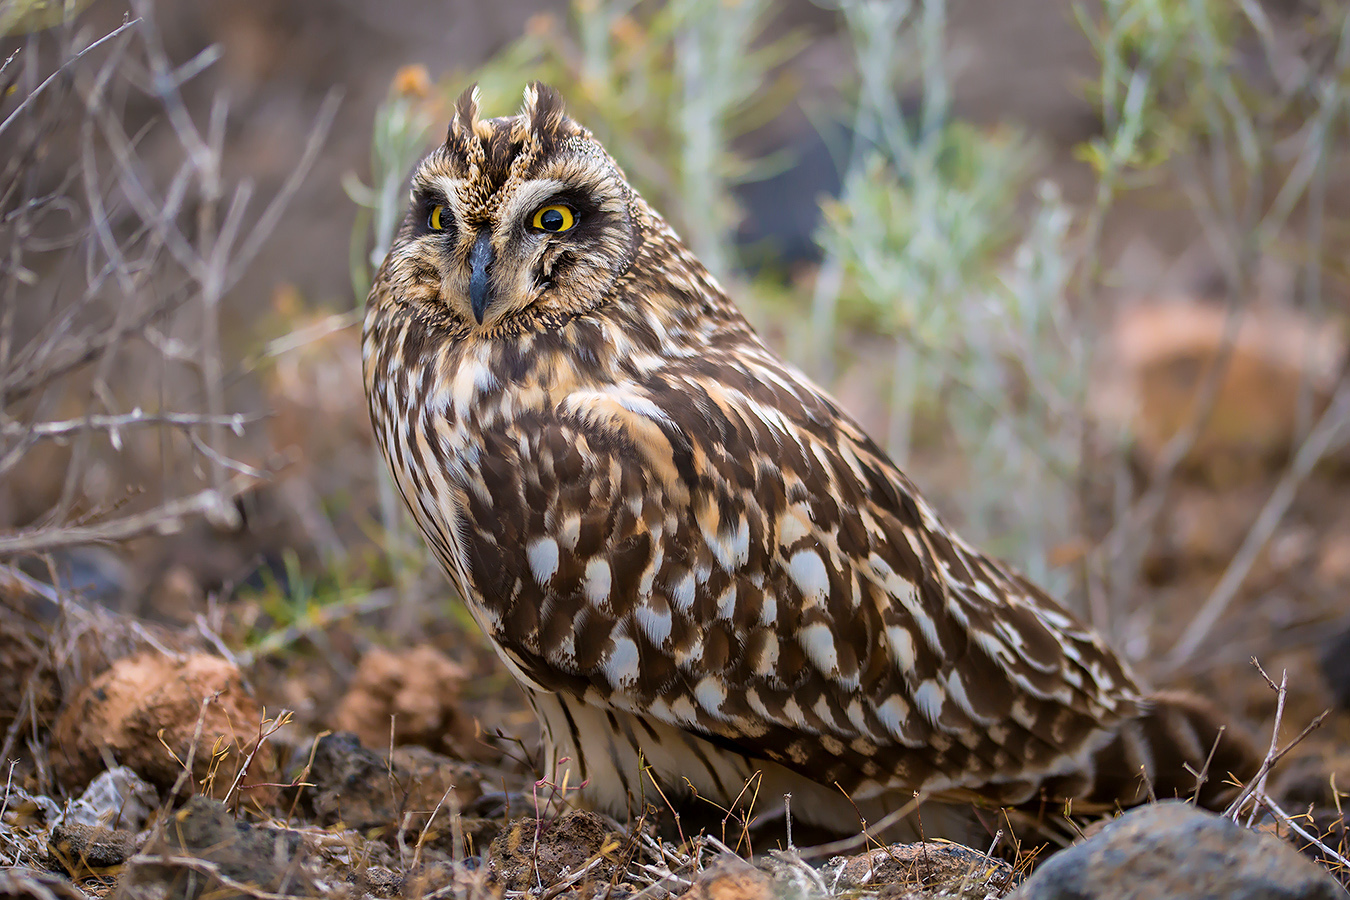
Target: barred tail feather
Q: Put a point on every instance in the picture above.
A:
(1159, 754)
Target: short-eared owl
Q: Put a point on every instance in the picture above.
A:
(695, 563)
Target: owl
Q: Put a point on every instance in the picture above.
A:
(710, 582)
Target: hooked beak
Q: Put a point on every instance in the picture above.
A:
(480, 287)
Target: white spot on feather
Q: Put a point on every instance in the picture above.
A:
(711, 694)
(929, 698)
(956, 689)
(726, 604)
(807, 569)
(655, 623)
(730, 547)
(794, 525)
(542, 554)
(682, 709)
(902, 647)
(621, 666)
(893, 714)
(768, 657)
(597, 581)
(570, 531)
(818, 643)
(793, 711)
(768, 610)
(682, 590)
(472, 377)
(856, 718)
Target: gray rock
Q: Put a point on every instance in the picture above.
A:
(204, 853)
(118, 798)
(21, 883)
(1173, 851)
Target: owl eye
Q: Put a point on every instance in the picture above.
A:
(556, 219)
(438, 218)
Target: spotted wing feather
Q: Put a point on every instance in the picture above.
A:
(713, 543)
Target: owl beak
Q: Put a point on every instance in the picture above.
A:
(480, 285)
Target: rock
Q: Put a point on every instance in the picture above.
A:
(420, 689)
(84, 851)
(1173, 851)
(930, 865)
(731, 878)
(22, 883)
(25, 810)
(534, 852)
(204, 852)
(117, 798)
(126, 712)
(379, 881)
(360, 789)
(1165, 349)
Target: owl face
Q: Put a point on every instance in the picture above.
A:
(515, 218)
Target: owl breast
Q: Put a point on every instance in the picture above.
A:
(521, 475)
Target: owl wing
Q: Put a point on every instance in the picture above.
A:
(716, 545)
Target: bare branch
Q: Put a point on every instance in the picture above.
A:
(63, 67)
(48, 430)
(164, 519)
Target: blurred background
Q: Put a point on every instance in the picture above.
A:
(1080, 266)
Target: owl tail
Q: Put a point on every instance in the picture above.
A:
(1160, 753)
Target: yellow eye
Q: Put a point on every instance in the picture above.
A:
(436, 221)
(555, 219)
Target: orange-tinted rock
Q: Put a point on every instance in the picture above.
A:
(1163, 352)
(731, 878)
(143, 712)
(420, 690)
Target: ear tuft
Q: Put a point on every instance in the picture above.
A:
(543, 109)
(466, 116)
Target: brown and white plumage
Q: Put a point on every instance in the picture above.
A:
(683, 549)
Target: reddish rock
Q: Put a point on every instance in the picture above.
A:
(143, 712)
(420, 690)
(731, 878)
(1163, 352)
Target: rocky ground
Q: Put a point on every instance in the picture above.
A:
(152, 760)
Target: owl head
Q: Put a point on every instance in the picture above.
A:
(514, 218)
